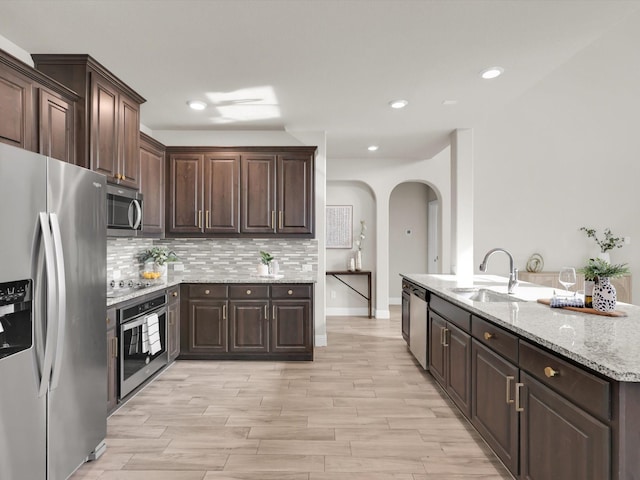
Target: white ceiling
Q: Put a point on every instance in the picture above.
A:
(328, 65)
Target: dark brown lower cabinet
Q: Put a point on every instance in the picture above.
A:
(249, 326)
(450, 360)
(247, 321)
(493, 412)
(559, 439)
(406, 298)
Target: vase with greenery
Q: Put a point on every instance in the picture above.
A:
(609, 242)
(265, 262)
(159, 256)
(601, 272)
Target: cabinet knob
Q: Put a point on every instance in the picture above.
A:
(248, 292)
(175, 294)
(489, 336)
(290, 292)
(550, 372)
(206, 292)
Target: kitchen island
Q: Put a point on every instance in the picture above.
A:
(555, 393)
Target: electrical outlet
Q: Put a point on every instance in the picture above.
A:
(307, 267)
(333, 294)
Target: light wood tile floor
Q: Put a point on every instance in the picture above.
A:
(362, 410)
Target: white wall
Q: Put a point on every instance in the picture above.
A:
(565, 155)
(408, 220)
(382, 176)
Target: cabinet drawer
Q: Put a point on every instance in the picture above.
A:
(581, 387)
(291, 291)
(249, 291)
(495, 338)
(452, 313)
(207, 290)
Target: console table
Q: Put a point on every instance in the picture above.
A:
(338, 273)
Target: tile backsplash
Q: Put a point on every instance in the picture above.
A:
(233, 255)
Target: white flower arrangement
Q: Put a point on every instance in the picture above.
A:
(361, 238)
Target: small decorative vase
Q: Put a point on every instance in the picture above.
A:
(263, 270)
(358, 260)
(604, 256)
(351, 264)
(604, 295)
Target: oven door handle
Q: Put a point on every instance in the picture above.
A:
(134, 323)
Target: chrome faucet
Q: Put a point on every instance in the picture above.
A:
(513, 272)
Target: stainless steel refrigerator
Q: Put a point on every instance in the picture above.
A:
(53, 359)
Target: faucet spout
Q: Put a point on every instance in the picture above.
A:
(513, 272)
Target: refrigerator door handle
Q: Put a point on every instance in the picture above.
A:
(52, 300)
(62, 299)
(138, 214)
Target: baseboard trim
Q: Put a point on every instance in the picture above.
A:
(346, 312)
(320, 341)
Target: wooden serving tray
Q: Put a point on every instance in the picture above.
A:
(615, 313)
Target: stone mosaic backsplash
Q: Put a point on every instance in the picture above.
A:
(225, 255)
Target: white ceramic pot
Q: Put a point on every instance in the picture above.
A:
(162, 269)
(263, 270)
(604, 295)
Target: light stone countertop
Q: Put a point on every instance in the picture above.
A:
(608, 345)
(223, 277)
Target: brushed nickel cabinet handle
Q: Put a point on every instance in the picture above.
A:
(266, 312)
(206, 219)
(550, 372)
(175, 294)
(519, 408)
(199, 218)
(224, 312)
(446, 341)
(280, 219)
(273, 312)
(489, 336)
(442, 336)
(510, 378)
(273, 219)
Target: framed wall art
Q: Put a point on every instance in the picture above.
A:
(339, 226)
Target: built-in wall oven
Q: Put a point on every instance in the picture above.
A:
(142, 329)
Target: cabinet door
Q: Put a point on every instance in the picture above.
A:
(437, 331)
(493, 410)
(16, 110)
(249, 326)
(128, 142)
(291, 326)
(559, 439)
(295, 194)
(258, 201)
(222, 193)
(152, 188)
(112, 361)
(104, 128)
(206, 328)
(458, 367)
(406, 298)
(173, 323)
(185, 194)
(56, 129)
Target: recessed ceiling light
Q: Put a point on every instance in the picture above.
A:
(372, 148)
(197, 104)
(398, 103)
(492, 72)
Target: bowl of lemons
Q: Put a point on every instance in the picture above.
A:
(151, 275)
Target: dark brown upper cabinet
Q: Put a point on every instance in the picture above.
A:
(107, 116)
(152, 186)
(36, 112)
(240, 191)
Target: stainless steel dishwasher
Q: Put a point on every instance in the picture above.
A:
(418, 324)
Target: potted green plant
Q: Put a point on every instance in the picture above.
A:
(265, 260)
(159, 256)
(601, 272)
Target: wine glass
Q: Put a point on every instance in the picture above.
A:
(567, 277)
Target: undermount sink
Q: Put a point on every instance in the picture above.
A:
(485, 295)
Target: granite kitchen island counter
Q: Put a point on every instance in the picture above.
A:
(607, 345)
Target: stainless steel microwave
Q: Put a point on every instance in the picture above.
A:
(124, 212)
